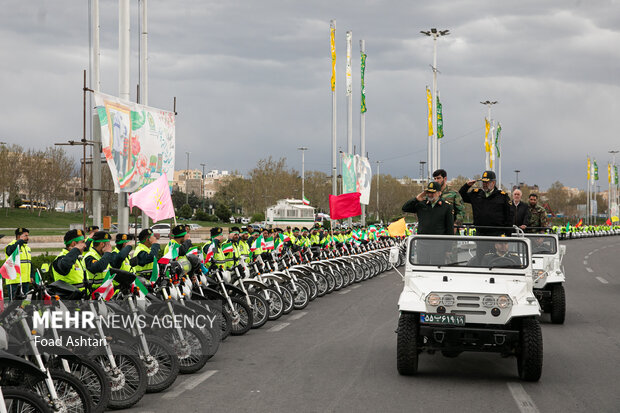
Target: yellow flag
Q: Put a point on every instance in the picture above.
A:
(429, 100)
(487, 126)
(589, 168)
(609, 173)
(397, 228)
(332, 41)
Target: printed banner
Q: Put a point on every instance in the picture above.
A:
(137, 141)
(363, 81)
(349, 180)
(349, 78)
(439, 119)
(364, 178)
(332, 42)
(429, 103)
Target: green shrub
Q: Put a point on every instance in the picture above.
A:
(258, 217)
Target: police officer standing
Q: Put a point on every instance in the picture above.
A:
(435, 215)
(454, 198)
(122, 250)
(68, 266)
(98, 258)
(21, 281)
(491, 207)
(145, 253)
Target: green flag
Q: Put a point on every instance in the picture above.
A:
(363, 88)
(439, 119)
(154, 272)
(595, 171)
(615, 175)
(497, 136)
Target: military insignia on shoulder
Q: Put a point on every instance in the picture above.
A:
(509, 202)
(476, 189)
(503, 192)
(447, 202)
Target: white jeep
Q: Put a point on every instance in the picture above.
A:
(549, 277)
(469, 294)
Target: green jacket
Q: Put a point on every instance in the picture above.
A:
(458, 207)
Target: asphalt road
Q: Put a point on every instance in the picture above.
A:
(339, 355)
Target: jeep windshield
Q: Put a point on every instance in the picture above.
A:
(472, 252)
(543, 244)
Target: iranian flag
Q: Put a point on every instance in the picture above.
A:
(227, 247)
(1, 296)
(258, 243)
(106, 289)
(210, 252)
(197, 252)
(173, 252)
(11, 267)
(306, 201)
(154, 272)
(47, 299)
(138, 284)
(285, 238)
(268, 244)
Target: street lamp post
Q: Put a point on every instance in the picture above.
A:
(186, 179)
(202, 185)
(378, 165)
(488, 104)
(517, 179)
(433, 142)
(303, 149)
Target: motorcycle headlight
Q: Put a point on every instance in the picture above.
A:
(433, 299)
(447, 300)
(503, 301)
(488, 301)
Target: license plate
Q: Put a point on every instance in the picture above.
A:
(445, 319)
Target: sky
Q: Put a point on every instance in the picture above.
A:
(252, 80)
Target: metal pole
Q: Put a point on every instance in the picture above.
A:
(517, 178)
(186, 180)
(83, 156)
(96, 137)
(588, 192)
(378, 165)
(124, 39)
(363, 130)
(144, 78)
(499, 164)
(202, 185)
(349, 94)
(334, 158)
(434, 106)
(303, 172)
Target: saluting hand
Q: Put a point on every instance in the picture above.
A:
(420, 196)
(471, 182)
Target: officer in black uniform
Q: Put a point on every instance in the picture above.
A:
(491, 206)
(435, 215)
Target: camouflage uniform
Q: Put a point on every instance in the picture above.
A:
(454, 199)
(538, 217)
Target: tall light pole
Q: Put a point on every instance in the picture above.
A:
(186, 179)
(517, 178)
(378, 165)
(433, 142)
(202, 185)
(488, 104)
(303, 149)
(611, 196)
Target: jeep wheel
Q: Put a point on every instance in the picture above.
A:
(558, 304)
(407, 344)
(530, 353)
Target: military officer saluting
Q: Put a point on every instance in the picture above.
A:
(435, 215)
(491, 206)
(68, 266)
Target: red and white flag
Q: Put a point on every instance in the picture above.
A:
(12, 266)
(173, 252)
(106, 289)
(210, 253)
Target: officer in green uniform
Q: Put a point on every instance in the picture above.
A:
(98, 258)
(435, 215)
(449, 195)
(538, 214)
(233, 256)
(122, 250)
(90, 231)
(217, 238)
(21, 283)
(68, 266)
(145, 253)
(181, 238)
(244, 245)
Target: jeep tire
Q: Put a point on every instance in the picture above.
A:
(407, 344)
(558, 304)
(530, 350)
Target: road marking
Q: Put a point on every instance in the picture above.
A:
(297, 316)
(524, 402)
(344, 292)
(594, 250)
(601, 279)
(588, 269)
(279, 327)
(189, 384)
(585, 262)
(355, 286)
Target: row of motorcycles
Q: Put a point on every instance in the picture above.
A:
(65, 349)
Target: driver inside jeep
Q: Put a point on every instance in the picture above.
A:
(501, 257)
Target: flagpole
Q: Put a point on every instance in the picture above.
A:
(588, 191)
(363, 120)
(123, 93)
(333, 51)
(96, 136)
(499, 158)
(144, 83)
(349, 94)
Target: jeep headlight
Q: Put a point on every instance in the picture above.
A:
(488, 301)
(503, 301)
(447, 300)
(433, 299)
(538, 274)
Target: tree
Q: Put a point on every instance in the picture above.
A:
(557, 197)
(178, 199)
(186, 211)
(223, 212)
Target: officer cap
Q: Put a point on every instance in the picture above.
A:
(73, 235)
(295, 229)
(215, 231)
(234, 230)
(20, 231)
(244, 230)
(92, 228)
(101, 236)
(179, 231)
(122, 238)
(145, 234)
(488, 176)
(433, 187)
